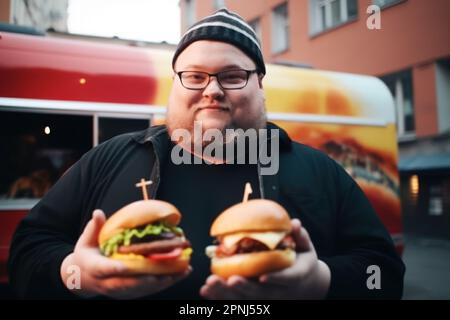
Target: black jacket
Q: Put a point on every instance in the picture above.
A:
(346, 232)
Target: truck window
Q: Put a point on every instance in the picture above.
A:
(110, 127)
(37, 148)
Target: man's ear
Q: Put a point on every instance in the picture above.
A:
(260, 79)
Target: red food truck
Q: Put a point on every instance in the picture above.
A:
(60, 97)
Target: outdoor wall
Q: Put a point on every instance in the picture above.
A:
(5, 10)
(424, 88)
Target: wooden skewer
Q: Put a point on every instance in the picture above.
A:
(247, 191)
(143, 184)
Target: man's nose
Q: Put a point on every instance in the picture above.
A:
(213, 89)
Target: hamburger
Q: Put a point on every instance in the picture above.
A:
(144, 235)
(253, 238)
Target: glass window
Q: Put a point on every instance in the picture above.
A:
(189, 14)
(326, 14)
(280, 28)
(256, 25)
(335, 12)
(408, 111)
(323, 19)
(110, 127)
(352, 8)
(386, 3)
(435, 206)
(37, 148)
(400, 85)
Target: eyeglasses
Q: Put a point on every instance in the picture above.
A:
(228, 80)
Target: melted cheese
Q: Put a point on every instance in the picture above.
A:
(270, 239)
(186, 253)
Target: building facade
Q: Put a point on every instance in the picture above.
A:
(404, 43)
(43, 15)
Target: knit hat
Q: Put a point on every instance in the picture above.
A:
(228, 27)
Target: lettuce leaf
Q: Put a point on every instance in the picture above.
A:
(111, 246)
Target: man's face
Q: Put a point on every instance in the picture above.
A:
(215, 107)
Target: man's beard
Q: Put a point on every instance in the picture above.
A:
(174, 122)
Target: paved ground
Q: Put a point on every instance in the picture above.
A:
(427, 263)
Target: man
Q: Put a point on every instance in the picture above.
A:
(218, 85)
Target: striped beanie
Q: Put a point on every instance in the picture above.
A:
(228, 27)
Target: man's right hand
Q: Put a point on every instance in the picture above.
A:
(104, 276)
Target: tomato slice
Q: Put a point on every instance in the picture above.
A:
(171, 255)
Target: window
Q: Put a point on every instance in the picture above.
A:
(386, 3)
(189, 14)
(280, 28)
(443, 94)
(400, 85)
(436, 205)
(37, 148)
(256, 25)
(219, 4)
(326, 14)
(110, 127)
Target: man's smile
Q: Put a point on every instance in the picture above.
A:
(213, 108)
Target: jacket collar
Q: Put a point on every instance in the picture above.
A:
(285, 141)
(150, 134)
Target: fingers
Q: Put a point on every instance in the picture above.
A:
(300, 236)
(90, 233)
(128, 287)
(216, 288)
(296, 272)
(296, 225)
(286, 277)
(103, 267)
(107, 268)
(100, 216)
(296, 231)
(179, 276)
(239, 288)
(247, 288)
(212, 288)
